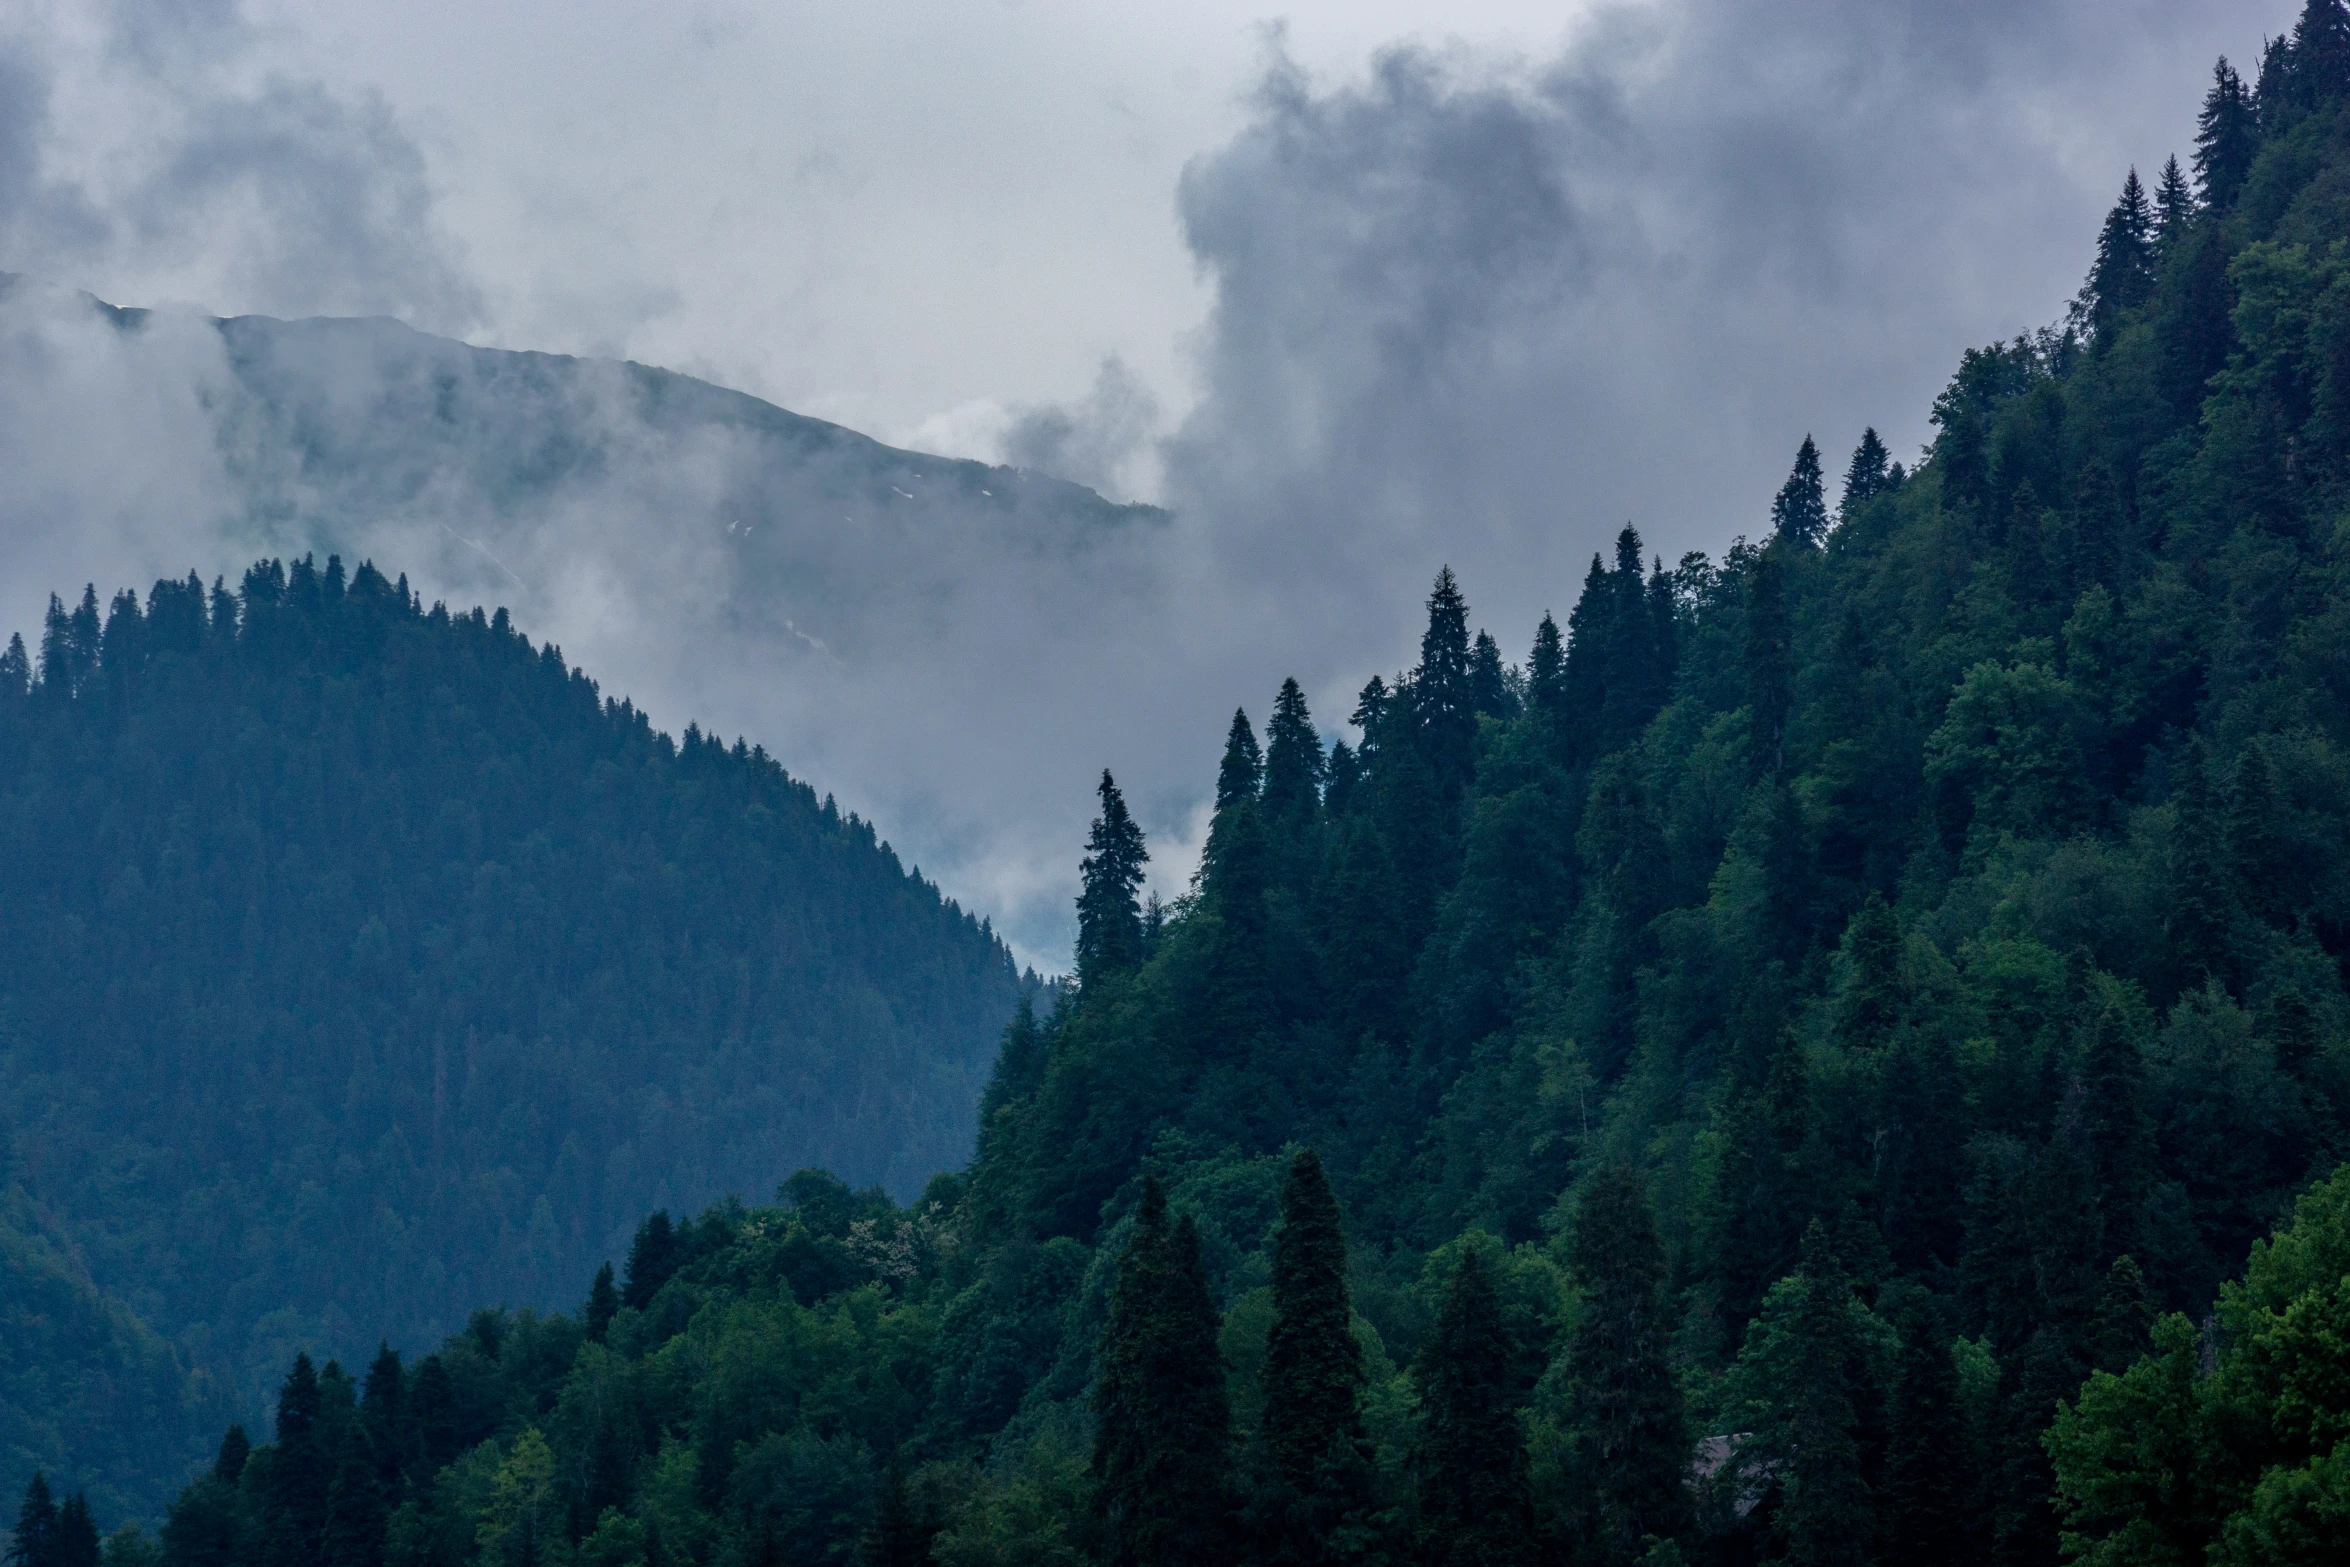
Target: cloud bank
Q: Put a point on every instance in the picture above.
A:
(1466, 308)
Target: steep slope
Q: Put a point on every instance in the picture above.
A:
(358, 962)
(1842, 992)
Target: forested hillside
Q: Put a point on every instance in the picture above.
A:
(359, 962)
(1715, 1092)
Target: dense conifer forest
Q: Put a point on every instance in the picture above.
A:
(360, 962)
(1798, 1069)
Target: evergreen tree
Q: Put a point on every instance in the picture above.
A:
(1243, 769)
(898, 1536)
(1624, 1408)
(1546, 666)
(603, 1302)
(2122, 277)
(383, 1406)
(1443, 703)
(1319, 1500)
(1868, 475)
(2199, 903)
(1770, 660)
(1926, 1521)
(1489, 687)
(35, 1541)
(1799, 513)
(2263, 869)
(1872, 998)
(2291, 1029)
(2174, 208)
(2124, 1328)
(1476, 1507)
(1109, 919)
(1294, 767)
(228, 1466)
(293, 1515)
(436, 1415)
(2227, 137)
(2320, 69)
(1829, 1516)
(354, 1529)
(1162, 1447)
(77, 1534)
(652, 1260)
(16, 670)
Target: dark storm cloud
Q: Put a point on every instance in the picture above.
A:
(1488, 311)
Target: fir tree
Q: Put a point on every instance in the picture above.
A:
(1829, 1516)
(1872, 998)
(2198, 917)
(1476, 1508)
(1294, 767)
(294, 1506)
(2290, 1026)
(603, 1302)
(1162, 1447)
(383, 1407)
(1624, 1409)
(16, 671)
(1926, 1524)
(354, 1529)
(1243, 769)
(2122, 277)
(1799, 513)
(77, 1534)
(2124, 1325)
(228, 1466)
(652, 1259)
(35, 1541)
(898, 1536)
(2174, 208)
(2320, 71)
(1868, 475)
(2226, 139)
(1546, 666)
(436, 1415)
(1770, 660)
(1109, 919)
(1489, 687)
(2263, 868)
(1443, 705)
(1319, 1459)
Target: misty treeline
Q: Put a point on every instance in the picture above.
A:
(1789, 1071)
(360, 962)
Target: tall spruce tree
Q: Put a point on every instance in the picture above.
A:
(1799, 513)
(1546, 666)
(1243, 771)
(35, 1541)
(77, 1534)
(1770, 659)
(2174, 208)
(1109, 917)
(294, 1506)
(1868, 475)
(1624, 1406)
(1926, 1520)
(1443, 704)
(652, 1259)
(1476, 1507)
(2227, 138)
(1162, 1452)
(2122, 277)
(353, 1535)
(2320, 69)
(1489, 686)
(1294, 765)
(383, 1405)
(603, 1304)
(2197, 922)
(1318, 1501)
(1829, 1517)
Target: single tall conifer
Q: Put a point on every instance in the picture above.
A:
(1624, 1408)
(1476, 1507)
(1799, 513)
(1319, 1463)
(1109, 915)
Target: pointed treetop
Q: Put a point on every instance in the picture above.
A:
(2227, 136)
(1868, 475)
(1243, 769)
(1109, 913)
(1800, 511)
(2174, 206)
(1546, 665)
(1294, 768)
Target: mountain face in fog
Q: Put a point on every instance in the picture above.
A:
(909, 630)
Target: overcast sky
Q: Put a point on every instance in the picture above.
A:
(1356, 289)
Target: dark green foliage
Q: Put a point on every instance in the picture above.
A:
(2123, 277)
(1927, 1520)
(361, 961)
(1624, 1402)
(2227, 136)
(1799, 513)
(603, 1303)
(2174, 208)
(1162, 1450)
(1109, 919)
(1868, 475)
(1294, 765)
(1318, 1499)
(76, 1543)
(1475, 1505)
(34, 1542)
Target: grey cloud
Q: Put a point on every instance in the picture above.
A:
(1465, 309)
(1093, 441)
